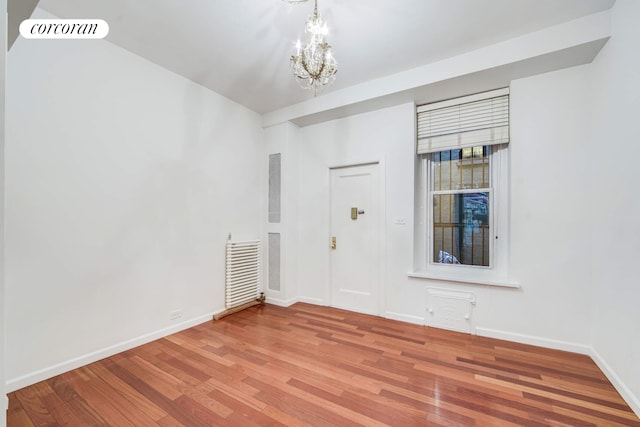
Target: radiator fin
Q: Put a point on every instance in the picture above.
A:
(242, 272)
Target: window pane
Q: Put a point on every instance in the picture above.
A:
(461, 235)
(467, 168)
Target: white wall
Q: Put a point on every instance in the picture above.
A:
(283, 140)
(548, 219)
(613, 189)
(122, 183)
(574, 210)
(3, 50)
(386, 136)
(550, 213)
(118, 206)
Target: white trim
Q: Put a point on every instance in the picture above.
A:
(382, 236)
(60, 368)
(4, 407)
(314, 301)
(280, 302)
(627, 394)
(382, 227)
(417, 320)
(342, 165)
(534, 340)
(460, 279)
(494, 275)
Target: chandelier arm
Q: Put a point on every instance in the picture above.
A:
(306, 68)
(324, 63)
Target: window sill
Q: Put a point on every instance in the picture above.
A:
(460, 279)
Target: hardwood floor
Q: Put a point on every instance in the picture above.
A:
(311, 365)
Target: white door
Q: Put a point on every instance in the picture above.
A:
(355, 260)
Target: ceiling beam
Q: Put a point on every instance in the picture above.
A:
(565, 45)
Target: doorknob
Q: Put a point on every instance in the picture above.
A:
(333, 243)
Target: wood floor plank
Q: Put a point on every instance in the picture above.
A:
(204, 415)
(592, 413)
(56, 406)
(101, 405)
(16, 415)
(576, 400)
(243, 411)
(326, 401)
(557, 373)
(580, 395)
(155, 396)
(308, 365)
(169, 421)
(304, 409)
(129, 411)
(34, 407)
(127, 392)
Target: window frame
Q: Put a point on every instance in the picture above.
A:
(430, 165)
(496, 274)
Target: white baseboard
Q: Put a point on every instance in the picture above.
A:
(632, 400)
(404, 318)
(46, 373)
(4, 407)
(533, 340)
(281, 302)
(314, 301)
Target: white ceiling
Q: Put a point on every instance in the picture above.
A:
(241, 48)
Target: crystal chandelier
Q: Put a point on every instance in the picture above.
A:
(313, 65)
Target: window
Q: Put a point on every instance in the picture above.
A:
(461, 193)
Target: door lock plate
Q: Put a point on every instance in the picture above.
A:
(355, 212)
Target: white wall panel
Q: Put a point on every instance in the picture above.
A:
(386, 136)
(4, 404)
(613, 186)
(122, 183)
(549, 170)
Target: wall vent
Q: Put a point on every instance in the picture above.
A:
(450, 310)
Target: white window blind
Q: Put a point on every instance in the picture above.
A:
(480, 119)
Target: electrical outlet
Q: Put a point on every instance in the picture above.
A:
(175, 314)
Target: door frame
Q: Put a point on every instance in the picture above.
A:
(382, 229)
